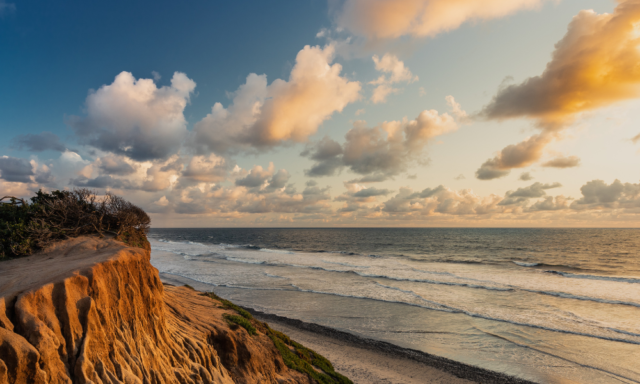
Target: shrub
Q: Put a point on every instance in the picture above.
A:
(304, 359)
(227, 304)
(26, 228)
(241, 321)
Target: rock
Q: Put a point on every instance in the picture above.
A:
(93, 310)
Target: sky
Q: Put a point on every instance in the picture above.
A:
(328, 113)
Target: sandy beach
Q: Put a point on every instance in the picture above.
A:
(366, 366)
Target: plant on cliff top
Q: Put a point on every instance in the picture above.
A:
(59, 215)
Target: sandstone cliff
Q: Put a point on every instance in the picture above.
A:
(93, 310)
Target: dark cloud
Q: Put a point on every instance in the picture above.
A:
(522, 195)
(525, 176)
(40, 142)
(328, 155)
(597, 192)
(563, 162)
(104, 181)
(16, 170)
(518, 155)
(114, 165)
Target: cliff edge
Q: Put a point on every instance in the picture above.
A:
(91, 310)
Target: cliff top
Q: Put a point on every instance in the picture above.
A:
(58, 262)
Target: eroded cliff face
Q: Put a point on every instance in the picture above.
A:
(93, 310)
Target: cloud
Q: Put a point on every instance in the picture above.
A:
(104, 181)
(518, 155)
(381, 92)
(525, 176)
(114, 165)
(14, 169)
(40, 142)
(636, 138)
(439, 201)
(205, 169)
(390, 19)
(6, 8)
(521, 195)
(397, 73)
(260, 180)
(382, 151)
(563, 162)
(239, 201)
(593, 66)
(135, 118)
(262, 116)
(597, 194)
(328, 156)
(459, 177)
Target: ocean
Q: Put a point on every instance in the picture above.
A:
(547, 305)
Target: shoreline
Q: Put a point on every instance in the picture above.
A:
(457, 369)
(453, 370)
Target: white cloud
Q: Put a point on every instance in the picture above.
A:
(133, 117)
(395, 71)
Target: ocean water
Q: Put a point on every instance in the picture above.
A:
(548, 305)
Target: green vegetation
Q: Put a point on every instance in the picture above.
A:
(302, 359)
(190, 287)
(241, 321)
(227, 304)
(296, 356)
(50, 217)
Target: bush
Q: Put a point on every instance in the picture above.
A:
(301, 359)
(241, 321)
(227, 304)
(26, 228)
(304, 360)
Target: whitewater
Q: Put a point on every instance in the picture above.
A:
(555, 307)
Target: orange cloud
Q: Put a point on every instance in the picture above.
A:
(263, 116)
(390, 19)
(593, 66)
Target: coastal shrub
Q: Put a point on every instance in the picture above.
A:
(241, 321)
(27, 227)
(301, 358)
(229, 305)
(305, 360)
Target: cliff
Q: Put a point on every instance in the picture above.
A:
(92, 310)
